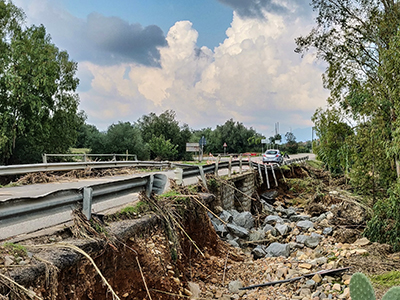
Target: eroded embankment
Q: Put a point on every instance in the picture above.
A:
(175, 251)
(153, 256)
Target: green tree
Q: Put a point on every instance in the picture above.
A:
(358, 41)
(120, 138)
(163, 149)
(291, 144)
(167, 126)
(332, 133)
(38, 104)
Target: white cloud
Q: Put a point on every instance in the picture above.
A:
(253, 76)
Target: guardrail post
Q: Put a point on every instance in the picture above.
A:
(149, 186)
(159, 183)
(266, 176)
(84, 157)
(216, 165)
(178, 176)
(259, 173)
(87, 202)
(230, 166)
(273, 173)
(44, 158)
(203, 178)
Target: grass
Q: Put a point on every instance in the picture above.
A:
(16, 250)
(169, 194)
(387, 279)
(315, 164)
(11, 184)
(285, 168)
(130, 212)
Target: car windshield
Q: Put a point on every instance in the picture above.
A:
(271, 152)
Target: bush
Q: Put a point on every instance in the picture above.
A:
(384, 226)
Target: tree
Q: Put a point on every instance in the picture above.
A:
(358, 41)
(167, 126)
(120, 138)
(163, 149)
(38, 103)
(332, 133)
(291, 145)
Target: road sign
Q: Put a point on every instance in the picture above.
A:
(225, 145)
(264, 141)
(192, 147)
(203, 141)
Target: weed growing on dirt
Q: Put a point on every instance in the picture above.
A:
(315, 164)
(285, 168)
(306, 185)
(169, 194)
(130, 212)
(15, 249)
(212, 184)
(387, 279)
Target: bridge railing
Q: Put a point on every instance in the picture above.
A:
(85, 156)
(69, 166)
(15, 210)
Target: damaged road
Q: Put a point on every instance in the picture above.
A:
(175, 247)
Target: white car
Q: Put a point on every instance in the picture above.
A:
(272, 156)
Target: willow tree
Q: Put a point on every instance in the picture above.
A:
(38, 102)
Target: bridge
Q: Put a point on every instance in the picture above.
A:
(29, 208)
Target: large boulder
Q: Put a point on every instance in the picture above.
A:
(269, 196)
(256, 235)
(238, 231)
(273, 220)
(296, 218)
(282, 228)
(226, 216)
(259, 251)
(278, 249)
(244, 219)
(305, 225)
(269, 227)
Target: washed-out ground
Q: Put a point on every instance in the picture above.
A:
(175, 253)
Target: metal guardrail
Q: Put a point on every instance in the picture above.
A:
(15, 210)
(191, 171)
(23, 169)
(85, 156)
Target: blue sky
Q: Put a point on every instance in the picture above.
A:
(209, 60)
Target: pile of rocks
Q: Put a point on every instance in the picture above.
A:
(284, 245)
(287, 229)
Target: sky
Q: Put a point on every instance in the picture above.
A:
(209, 61)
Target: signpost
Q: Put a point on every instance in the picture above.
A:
(263, 141)
(225, 148)
(202, 143)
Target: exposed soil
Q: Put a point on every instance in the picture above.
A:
(167, 259)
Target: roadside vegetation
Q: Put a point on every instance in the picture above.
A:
(358, 133)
